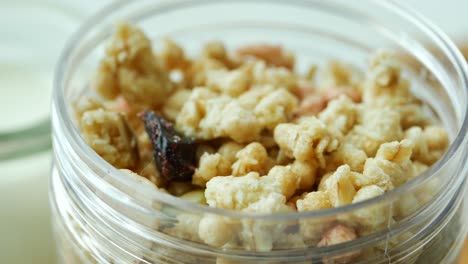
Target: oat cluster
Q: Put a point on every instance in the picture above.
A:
(271, 139)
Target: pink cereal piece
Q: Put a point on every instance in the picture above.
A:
(311, 105)
(304, 89)
(337, 235)
(336, 92)
(121, 105)
(292, 205)
(271, 54)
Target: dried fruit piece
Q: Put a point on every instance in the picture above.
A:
(175, 154)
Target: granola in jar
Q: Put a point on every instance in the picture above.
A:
(245, 131)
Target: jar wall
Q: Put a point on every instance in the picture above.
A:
(80, 243)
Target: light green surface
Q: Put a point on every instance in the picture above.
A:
(25, 230)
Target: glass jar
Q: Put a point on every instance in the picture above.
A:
(102, 215)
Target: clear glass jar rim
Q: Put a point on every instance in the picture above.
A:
(73, 135)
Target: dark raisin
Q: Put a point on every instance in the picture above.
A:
(175, 154)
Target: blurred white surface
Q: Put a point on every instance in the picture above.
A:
(450, 15)
(31, 33)
(25, 234)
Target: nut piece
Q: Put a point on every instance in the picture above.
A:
(311, 105)
(337, 235)
(337, 92)
(314, 101)
(271, 54)
(108, 134)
